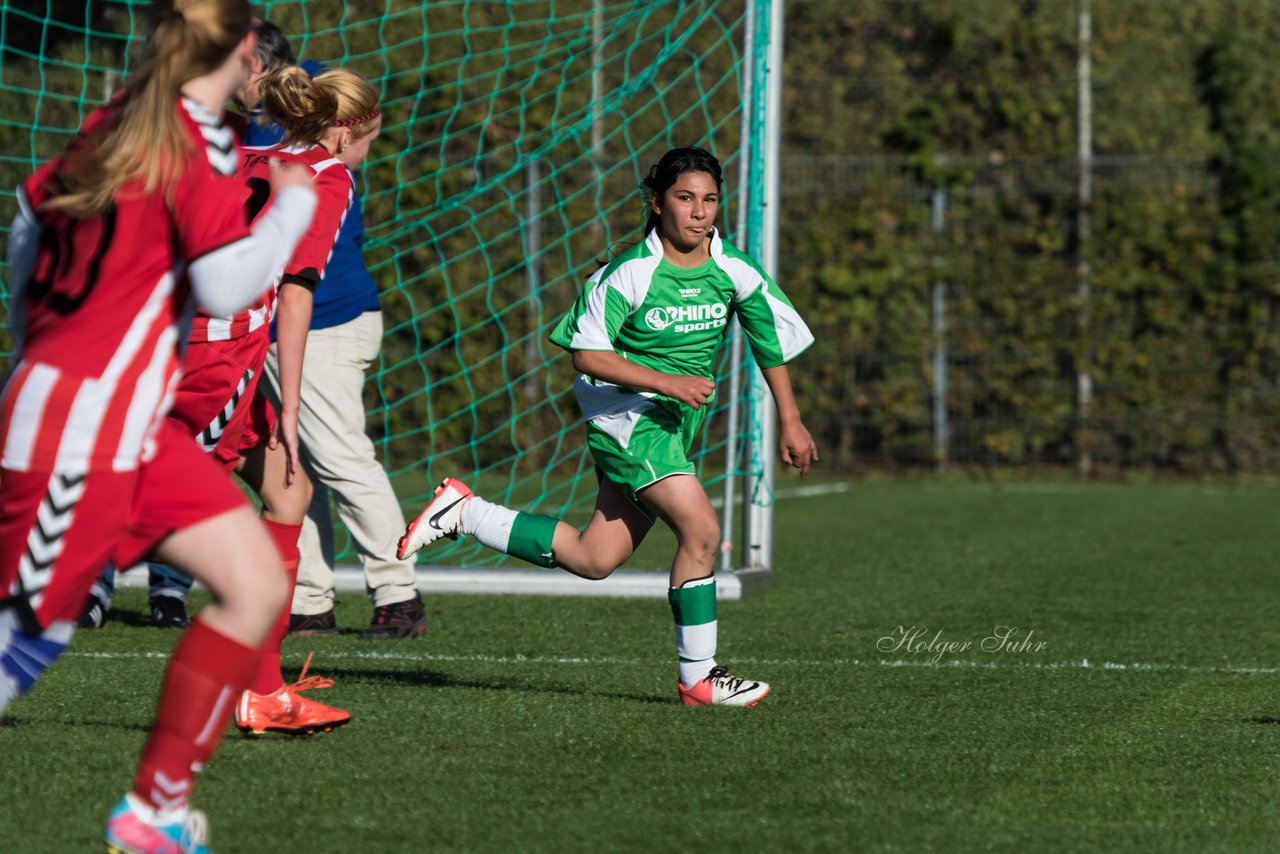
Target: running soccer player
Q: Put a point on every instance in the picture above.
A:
(143, 211)
(328, 125)
(644, 335)
(168, 588)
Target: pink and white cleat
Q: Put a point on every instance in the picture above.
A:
(440, 518)
(720, 688)
(135, 828)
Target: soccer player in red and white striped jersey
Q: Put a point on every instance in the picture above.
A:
(328, 125)
(115, 237)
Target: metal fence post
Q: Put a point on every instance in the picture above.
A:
(941, 429)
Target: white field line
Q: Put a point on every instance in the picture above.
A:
(868, 663)
(1093, 488)
(815, 490)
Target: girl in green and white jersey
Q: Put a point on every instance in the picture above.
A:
(644, 335)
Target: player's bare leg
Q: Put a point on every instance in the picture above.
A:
(235, 559)
(231, 555)
(270, 704)
(615, 531)
(265, 470)
(682, 503)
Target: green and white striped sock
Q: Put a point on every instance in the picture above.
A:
(693, 605)
(525, 535)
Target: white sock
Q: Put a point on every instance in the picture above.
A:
(488, 522)
(153, 816)
(696, 671)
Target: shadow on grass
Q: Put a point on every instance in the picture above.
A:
(20, 721)
(408, 678)
(435, 679)
(132, 618)
(135, 620)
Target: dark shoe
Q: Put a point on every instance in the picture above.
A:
(169, 613)
(313, 624)
(94, 613)
(397, 621)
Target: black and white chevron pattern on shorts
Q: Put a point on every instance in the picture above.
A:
(210, 435)
(47, 535)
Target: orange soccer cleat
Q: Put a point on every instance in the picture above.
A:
(287, 711)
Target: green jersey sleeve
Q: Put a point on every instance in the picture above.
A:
(611, 296)
(593, 321)
(776, 331)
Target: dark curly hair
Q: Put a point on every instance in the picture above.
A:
(664, 173)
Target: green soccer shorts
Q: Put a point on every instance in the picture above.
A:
(639, 447)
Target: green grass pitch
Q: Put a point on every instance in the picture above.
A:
(1139, 710)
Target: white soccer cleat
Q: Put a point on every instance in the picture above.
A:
(720, 688)
(440, 518)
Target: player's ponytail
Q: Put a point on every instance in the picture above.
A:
(308, 108)
(146, 141)
(664, 173)
(291, 99)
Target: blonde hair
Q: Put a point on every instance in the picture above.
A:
(145, 140)
(308, 107)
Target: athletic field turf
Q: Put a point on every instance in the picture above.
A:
(1134, 707)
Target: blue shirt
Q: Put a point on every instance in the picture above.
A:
(346, 290)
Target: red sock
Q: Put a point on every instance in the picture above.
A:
(269, 677)
(204, 679)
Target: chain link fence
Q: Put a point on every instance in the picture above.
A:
(1036, 234)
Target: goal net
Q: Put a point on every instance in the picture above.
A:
(515, 136)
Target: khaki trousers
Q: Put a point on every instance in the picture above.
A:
(339, 457)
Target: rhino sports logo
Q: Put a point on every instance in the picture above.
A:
(687, 318)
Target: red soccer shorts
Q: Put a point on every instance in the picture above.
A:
(57, 532)
(259, 425)
(217, 399)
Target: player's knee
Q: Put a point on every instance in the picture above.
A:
(595, 567)
(272, 581)
(597, 564)
(288, 505)
(252, 580)
(263, 589)
(702, 537)
(276, 589)
(299, 495)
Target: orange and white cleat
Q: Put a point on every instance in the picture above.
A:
(440, 518)
(720, 688)
(289, 712)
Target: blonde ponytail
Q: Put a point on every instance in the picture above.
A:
(145, 141)
(308, 108)
(291, 99)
